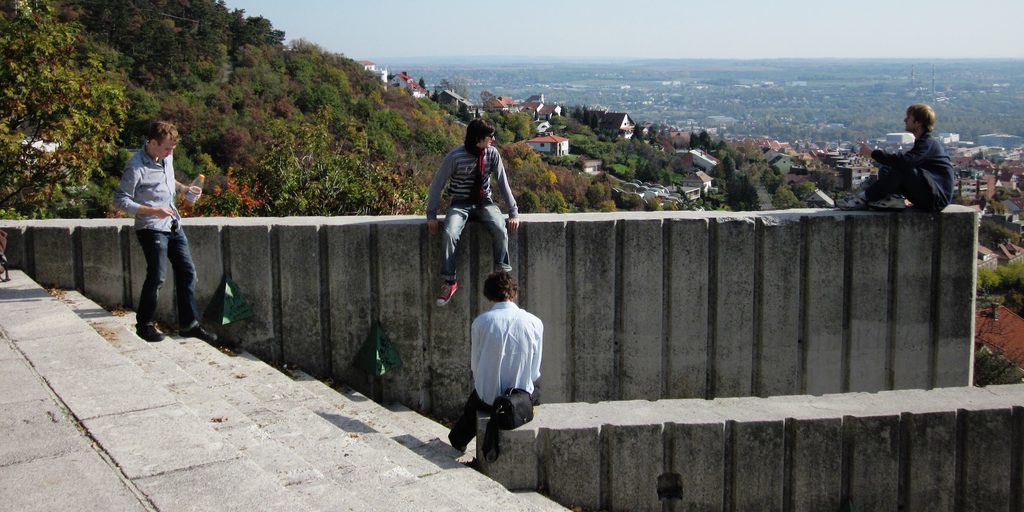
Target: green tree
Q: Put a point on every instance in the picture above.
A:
(61, 112)
(991, 234)
(784, 199)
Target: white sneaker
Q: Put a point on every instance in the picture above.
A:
(853, 202)
(892, 202)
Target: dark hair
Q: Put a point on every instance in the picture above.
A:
(475, 132)
(923, 114)
(500, 286)
(161, 131)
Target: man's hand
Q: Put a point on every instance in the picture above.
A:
(156, 212)
(432, 226)
(513, 224)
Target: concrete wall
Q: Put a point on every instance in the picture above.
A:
(635, 305)
(949, 449)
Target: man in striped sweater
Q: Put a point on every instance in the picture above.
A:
(467, 170)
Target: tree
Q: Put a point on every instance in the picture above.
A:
(991, 234)
(784, 199)
(61, 113)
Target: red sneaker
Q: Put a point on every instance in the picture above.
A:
(447, 290)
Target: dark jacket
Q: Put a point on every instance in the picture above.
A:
(929, 155)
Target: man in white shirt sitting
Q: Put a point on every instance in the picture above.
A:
(506, 349)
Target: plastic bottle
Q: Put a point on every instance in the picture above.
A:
(195, 189)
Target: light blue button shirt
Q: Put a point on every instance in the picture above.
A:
(147, 183)
(506, 350)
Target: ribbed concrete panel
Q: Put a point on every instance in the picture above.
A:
(955, 322)
(697, 454)
(912, 310)
(777, 358)
(204, 241)
(757, 453)
(734, 305)
(517, 464)
(103, 276)
(929, 441)
(17, 247)
(349, 275)
(448, 350)
(401, 302)
(869, 302)
(634, 460)
(299, 261)
(986, 460)
(823, 305)
(54, 251)
(871, 455)
(251, 264)
(815, 449)
(578, 449)
(544, 288)
(688, 304)
(594, 351)
(641, 340)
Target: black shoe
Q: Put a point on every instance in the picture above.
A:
(460, 448)
(199, 332)
(149, 333)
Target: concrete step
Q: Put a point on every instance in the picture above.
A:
(257, 409)
(328, 447)
(156, 448)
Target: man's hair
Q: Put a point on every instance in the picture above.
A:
(161, 131)
(476, 131)
(923, 114)
(500, 286)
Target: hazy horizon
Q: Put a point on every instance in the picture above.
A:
(596, 30)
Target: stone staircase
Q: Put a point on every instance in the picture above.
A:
(190, 427)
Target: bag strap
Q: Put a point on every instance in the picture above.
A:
(491, 450)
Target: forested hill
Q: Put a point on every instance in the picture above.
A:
(278, 129)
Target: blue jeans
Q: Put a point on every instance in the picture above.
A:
(455, 220)
(158, 248)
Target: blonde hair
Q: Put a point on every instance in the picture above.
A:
(923, 114)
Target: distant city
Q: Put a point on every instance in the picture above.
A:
(821, 101)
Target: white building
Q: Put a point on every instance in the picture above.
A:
(899, 138)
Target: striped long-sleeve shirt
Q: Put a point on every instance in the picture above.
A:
(458, 170)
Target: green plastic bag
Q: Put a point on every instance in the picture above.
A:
(228, 305)
(378, 356)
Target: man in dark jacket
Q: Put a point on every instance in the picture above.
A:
(923, 175)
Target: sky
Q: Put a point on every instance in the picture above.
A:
(394, 30)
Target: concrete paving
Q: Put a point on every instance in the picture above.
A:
(93, 418)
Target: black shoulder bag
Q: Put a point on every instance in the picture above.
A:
(511, 410)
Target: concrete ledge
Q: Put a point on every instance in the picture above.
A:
(919, 450)
(635, 305)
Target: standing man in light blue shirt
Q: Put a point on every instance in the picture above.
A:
(507, 343)
(147, 191)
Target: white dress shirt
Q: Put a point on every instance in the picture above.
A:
(507, 344)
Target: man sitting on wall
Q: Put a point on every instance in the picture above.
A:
(506, 349)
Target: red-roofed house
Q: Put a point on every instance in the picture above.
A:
(410, 84)
(1001, 331)
(502, 104)
(618, 124)
(986, 258)
(1009, 253)
(550, 145)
